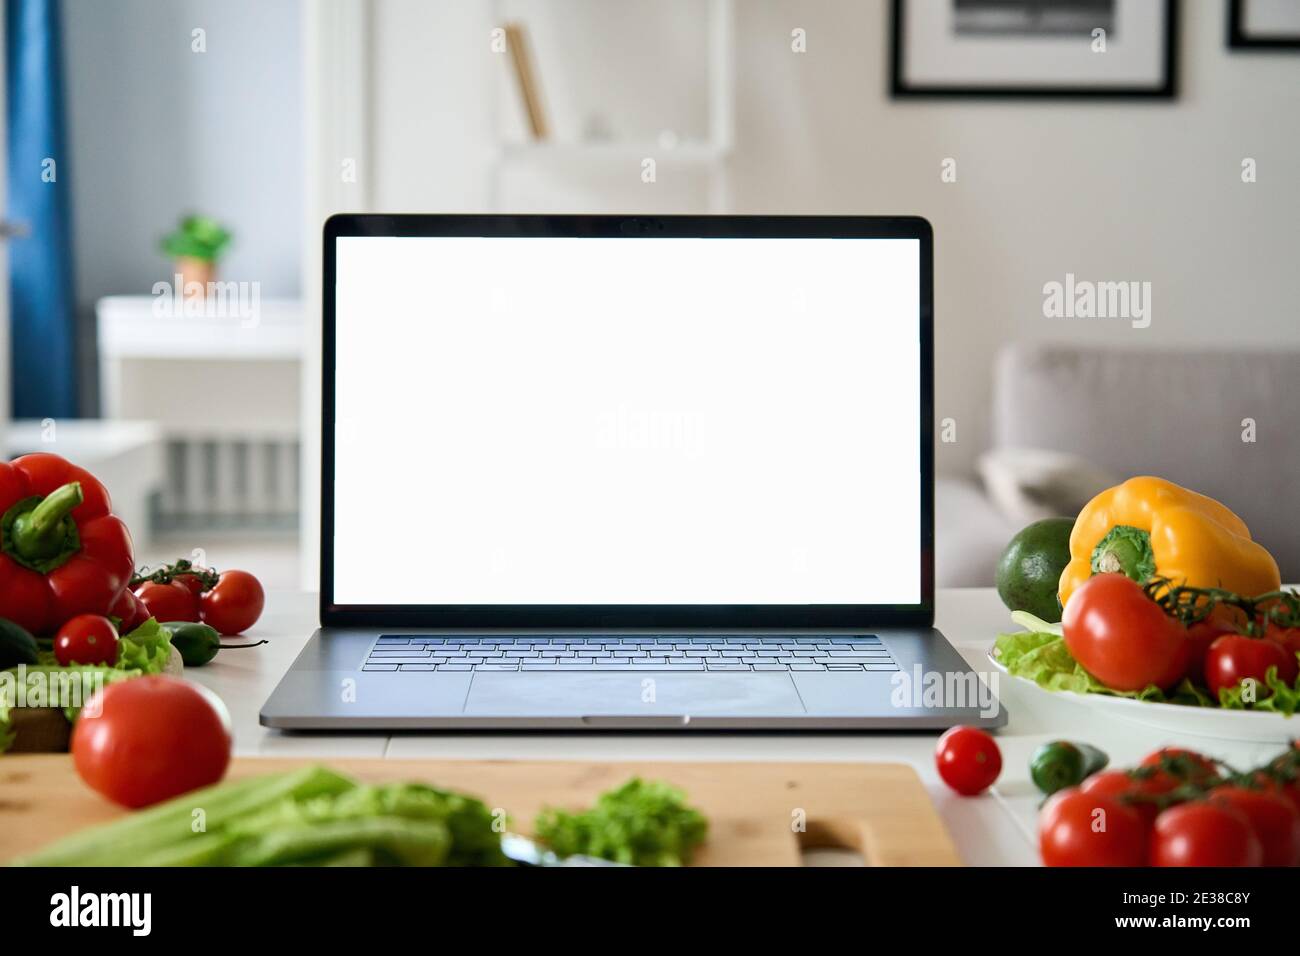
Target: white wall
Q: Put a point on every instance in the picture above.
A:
(157, 130)
(1145, 191)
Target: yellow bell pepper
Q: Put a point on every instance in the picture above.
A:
(1149, 527)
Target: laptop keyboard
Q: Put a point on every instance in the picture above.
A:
(406, 652)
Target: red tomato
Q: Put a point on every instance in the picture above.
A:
(86, 639)
(191, 583)
(1136, 791)
(1283, 776)
(1234, 658)
(1122, 637)
(1287, 637)
(168, 602)
(1274, 819)
(235, 604)
(968, 760)
(148, 739)
(1199, 638)
(1182, 766)
(1204, 834)
(1289, 790)
(1090, 829)
(130, 610)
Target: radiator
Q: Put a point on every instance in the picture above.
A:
(229, 483)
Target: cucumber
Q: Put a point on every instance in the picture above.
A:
(1058, 764)
(16, 645)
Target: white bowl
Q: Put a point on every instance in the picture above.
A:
(1256, 726)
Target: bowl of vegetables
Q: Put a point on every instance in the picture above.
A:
(1180, 660)
(1171, 617)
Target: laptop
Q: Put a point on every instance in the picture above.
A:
(612, 472)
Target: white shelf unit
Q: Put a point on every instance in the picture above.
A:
(710, 155)
(224, 393)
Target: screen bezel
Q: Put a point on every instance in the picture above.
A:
(583, 616)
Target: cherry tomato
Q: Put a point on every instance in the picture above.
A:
(130, 610)
(1204, 834)
(1182, 766)
(168, 602)
(1283, 776)
(968, 760)
(235, 604)
(1077, 828)
(148, 739)
(86, 639)
(1122, 637)
(1287, 637)
(1272, 817)
(1234, 658)
(192, 583)
(1289, 790)
(1136, 791)
(1199, 638)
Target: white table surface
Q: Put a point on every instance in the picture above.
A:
(996, 828)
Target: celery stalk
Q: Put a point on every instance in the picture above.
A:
(168, 831)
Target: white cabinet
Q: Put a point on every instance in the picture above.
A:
(225, 392)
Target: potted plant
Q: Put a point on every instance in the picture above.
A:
(195, 246)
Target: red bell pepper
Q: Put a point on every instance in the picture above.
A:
(62, 551)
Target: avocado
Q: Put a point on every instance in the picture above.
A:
(1029, 571)
(16, 645)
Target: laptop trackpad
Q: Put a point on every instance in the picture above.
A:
(646, 693)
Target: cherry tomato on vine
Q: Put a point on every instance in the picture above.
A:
(1199, 638)
(130, 610)
(1287, 637)
(168, 602)
(235, 604)
(1272, 817)
(1204, 834)
(1137, 791)
(1234, 658)
(968, 760)
(1080, 828)
(1289, 790)
(1122, 637)
(86, 639)
(191, 582)
(1176, 766)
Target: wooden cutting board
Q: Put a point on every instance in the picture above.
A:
(881, 810)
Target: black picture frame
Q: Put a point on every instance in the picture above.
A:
(1238, 39)
(573, 616)
(1167, 90)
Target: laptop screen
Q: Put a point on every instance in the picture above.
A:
(627, 421)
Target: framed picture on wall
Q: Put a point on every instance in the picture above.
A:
(1034, 48)
(1264, 24)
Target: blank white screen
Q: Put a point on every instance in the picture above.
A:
(627, 421)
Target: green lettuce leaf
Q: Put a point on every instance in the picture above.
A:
(1036, 624)
(641, 823)
(146, 649)
(1281, 699)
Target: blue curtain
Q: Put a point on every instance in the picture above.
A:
(43, 337)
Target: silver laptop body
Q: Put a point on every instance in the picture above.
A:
(604, 472)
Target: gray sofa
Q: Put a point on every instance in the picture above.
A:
(1178, 415)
